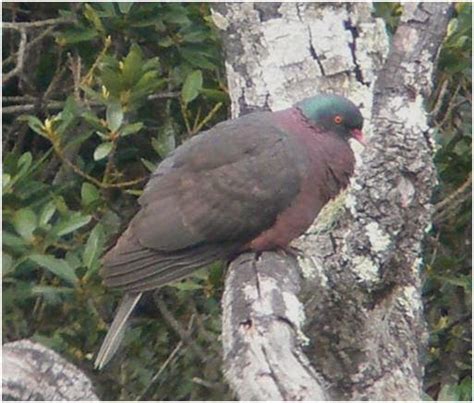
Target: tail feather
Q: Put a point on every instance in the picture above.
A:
(177, 272)
(158, 270)
(115, 334)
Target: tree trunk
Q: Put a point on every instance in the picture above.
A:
(360, 277)
(34, 372)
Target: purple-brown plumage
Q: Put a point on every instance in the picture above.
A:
(330, 163)
(253, 183)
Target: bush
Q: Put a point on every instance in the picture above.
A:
(106, 91)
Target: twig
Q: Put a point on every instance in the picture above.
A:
(18, 99)
(166, 363)
(6, 110)
(208, 117)
(46, 32)
(87, 78)
(448, 200)
(20, 59)
(183, 334)
(19, 26)
(450, 204)
(160, 371)
(185, 117)
(110, 162)
(196, 119)
(451, 106)
(54, 105)
(207, 384)
(439, 102)
(75, 67)
(162, 95)
(58, 74)
(209, 336)
(95, 181)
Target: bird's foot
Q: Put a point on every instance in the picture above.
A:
(293, 251)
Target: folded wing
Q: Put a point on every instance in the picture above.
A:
(213, 195)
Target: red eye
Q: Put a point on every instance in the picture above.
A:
(337, 119)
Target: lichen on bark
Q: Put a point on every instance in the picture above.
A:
(361, 268)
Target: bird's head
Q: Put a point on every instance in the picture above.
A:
(334, 113)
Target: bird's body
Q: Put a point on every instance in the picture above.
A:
(253, 183)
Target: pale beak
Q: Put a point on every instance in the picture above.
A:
(359, 136)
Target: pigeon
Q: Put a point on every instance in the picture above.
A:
(253, 183)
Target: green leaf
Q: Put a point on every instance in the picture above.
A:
(215, 95)
(134, 192)
(112, 80)
(24, 162)
(165, 42)
(114, 116)
(67, 115)
(102, 150)
(6, 178)
(132, 65)
(74, 259)
(177, 15)
(109, 9)
(195, 36)
(148, 164)
(91, 118)
(50, 290)
(103, 136)
(91, 14)
(151, 64)
(35, 124)
(448, 393)
(196, 58)
(186, 285)
(93, 95)
(11, 240)
(131, 128)
(79, 138)
(76, 35)
(7, 263)
(58, 267)
(165, 141)
(25, 222)
(89, 193)
(125, 6)
(148, 82)
(46, 213)
(94, 248)
(71, 223)
(192, 85)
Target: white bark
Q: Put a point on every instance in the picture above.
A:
(362, 257)
(31, 371)
(263, 329)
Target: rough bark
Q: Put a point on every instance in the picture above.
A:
(34, 372)
(361, 287)
(261, 329)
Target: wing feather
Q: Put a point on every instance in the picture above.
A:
(209, 198)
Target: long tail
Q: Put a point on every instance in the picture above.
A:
(115, 334)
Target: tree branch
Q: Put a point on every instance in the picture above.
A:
(34, 372)
(20, 58)
(20, 26)
(362, 286)
(262, 331)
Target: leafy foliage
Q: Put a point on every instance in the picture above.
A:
(104, 95)
(122, 93)
(448, 287)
